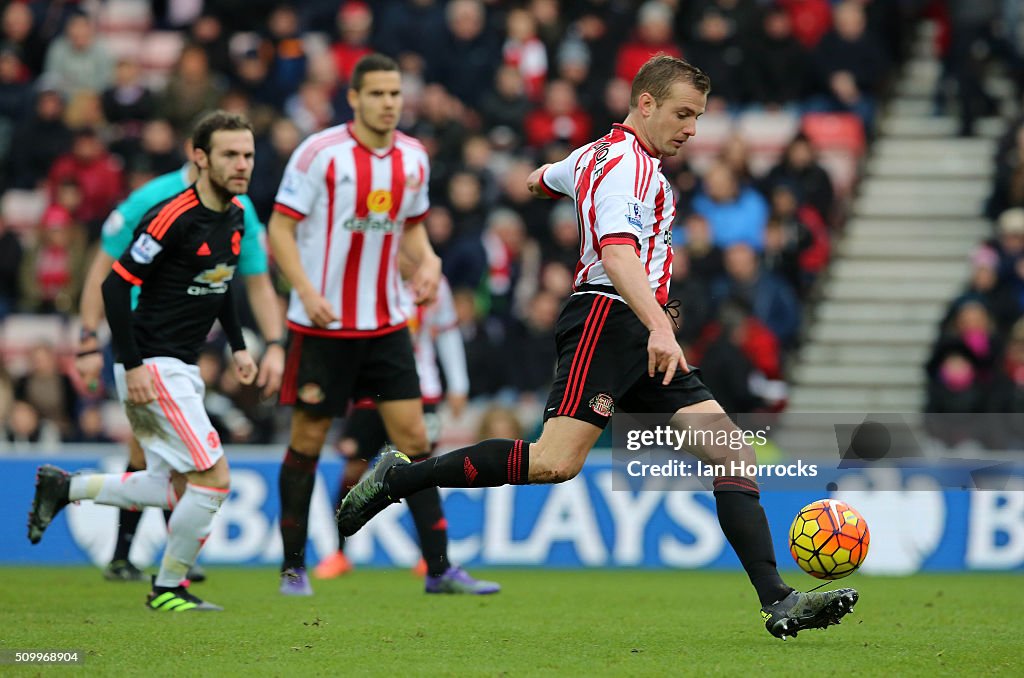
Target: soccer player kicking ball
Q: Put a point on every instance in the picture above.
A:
(617, 348)
(183, 255)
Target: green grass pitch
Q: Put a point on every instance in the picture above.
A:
(544, 623)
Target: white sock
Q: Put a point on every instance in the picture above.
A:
(127, 490)
(187, 531)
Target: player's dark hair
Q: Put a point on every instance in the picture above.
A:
(657, 76)
(215, 122)
(369, 64)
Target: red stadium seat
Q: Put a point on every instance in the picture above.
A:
(834, 131)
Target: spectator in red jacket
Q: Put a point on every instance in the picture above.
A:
(741, 356)
(354, 23)
(96, 172)
(560, 119)
(53, 269)
(653, 35)
(811, 19)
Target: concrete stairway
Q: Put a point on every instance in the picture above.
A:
(902, 258)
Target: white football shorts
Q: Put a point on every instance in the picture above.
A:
(174, 427)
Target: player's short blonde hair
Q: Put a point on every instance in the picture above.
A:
(661, 71)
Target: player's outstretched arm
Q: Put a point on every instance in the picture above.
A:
(630, 280)
(89, 361)
(265, 306)
(281, 233)
(535, 184)
(416, 249)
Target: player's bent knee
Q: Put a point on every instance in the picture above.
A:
(216, 477)
(178, 482)
(544, 468)
(708, 416)
(216, 481)
(308, 435)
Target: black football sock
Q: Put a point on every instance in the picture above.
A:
(432, 528)
(489, 463)
(343, 492)
(295, 484)
(745, 526)
(127, 523)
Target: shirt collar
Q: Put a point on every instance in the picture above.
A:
(639, 141)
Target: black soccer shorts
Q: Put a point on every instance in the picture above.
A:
(323, 374)
(602, 365)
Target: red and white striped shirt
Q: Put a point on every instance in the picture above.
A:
(352, 203)
(621, 197)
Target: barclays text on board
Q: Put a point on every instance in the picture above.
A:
(582, 523)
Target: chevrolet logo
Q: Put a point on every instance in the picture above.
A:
(216, 276)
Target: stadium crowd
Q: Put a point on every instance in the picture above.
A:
(96, 100)
(976, 363)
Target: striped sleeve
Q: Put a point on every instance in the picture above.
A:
(619, 239)
(297, 192)
(421, 200)
(551, 193)
(558, 179)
